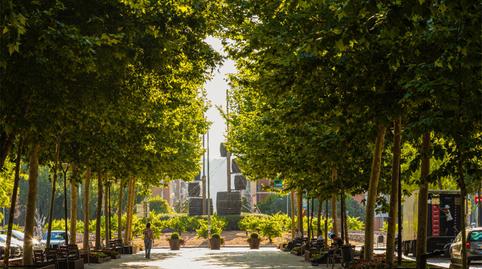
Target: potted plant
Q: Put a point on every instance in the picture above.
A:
(215, 241)
(254, 241)
(175, 241)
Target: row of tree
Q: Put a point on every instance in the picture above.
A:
(326, 90)
(107, 90)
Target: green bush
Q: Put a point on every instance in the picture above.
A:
(355, 224)
(157, 204)
(270, 228)
(217, 226)
(251, 223)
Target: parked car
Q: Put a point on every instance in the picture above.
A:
(16, 249)
(37, 245)
(57, 238)
(473, 246)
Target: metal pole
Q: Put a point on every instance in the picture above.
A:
(203, 180)
(228, 154)
(209, 191)
(399, 251)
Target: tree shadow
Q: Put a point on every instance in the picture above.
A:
(254, 259)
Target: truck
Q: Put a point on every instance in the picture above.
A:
(443, 220)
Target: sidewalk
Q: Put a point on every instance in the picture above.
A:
(204, 258)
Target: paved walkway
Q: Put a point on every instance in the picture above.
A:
(203, 258)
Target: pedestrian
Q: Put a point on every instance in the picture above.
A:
(148, 240)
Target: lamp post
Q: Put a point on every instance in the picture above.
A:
(208, 189)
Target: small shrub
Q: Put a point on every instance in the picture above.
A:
(174, 236)
(157, 204)
(217, 226)
(270, 228)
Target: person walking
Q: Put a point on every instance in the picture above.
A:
(148, 240)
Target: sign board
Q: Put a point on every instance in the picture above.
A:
(278, 183)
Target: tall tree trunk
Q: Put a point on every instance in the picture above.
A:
(312, 214)
(13, 203)
(130, 206)
(106, 212)
(52, 197)
(347, 238)
(119, 211)
(326, 223)
(73, 206)
(373, 191)
(463, 194)
(421, 245)
(65, 204)
(392, 216)
(293, 224)
(85, 240)
(31, 204)
(318, 224)
(300, 212)
(334, 175)
(98, 213)
(342, 217)
(308, 220)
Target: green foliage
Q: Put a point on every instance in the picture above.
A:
(355, 224)
(217, 226)
(270, 228)
(251, 223)
(158, 205)
(174, 236)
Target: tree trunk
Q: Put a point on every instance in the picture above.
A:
(392, 216)
(65, 204)
(106, 212)
(85, 240)
(311, 218)
(347, 238)
(293, 224)
(342, 219)
(119, 211)
(130, 207)
(333, 203)
(13, 203)
(373, 191)
(421, 245)
(52, 197)
(31, 204)
(73, 206)
(326, 223)
(318, 225)
(463, 194)
(98, 213)
(308, 220)
(300, 212)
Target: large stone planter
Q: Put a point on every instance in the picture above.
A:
(254, 243)
(175, 244)
(215, 243)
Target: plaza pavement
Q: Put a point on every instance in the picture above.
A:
(204, 258)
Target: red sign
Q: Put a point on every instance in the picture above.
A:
(476, 199)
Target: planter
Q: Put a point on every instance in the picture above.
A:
(254, 243)
(127, 250)
(215, 243)
(175, 244)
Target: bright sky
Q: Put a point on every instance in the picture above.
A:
(216, 93)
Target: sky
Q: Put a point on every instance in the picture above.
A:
(216, 94)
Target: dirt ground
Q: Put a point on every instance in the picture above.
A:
(231, 238)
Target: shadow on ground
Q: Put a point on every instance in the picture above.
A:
(252, 259)
(134, 261)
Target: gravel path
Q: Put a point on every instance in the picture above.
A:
(203, 258)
